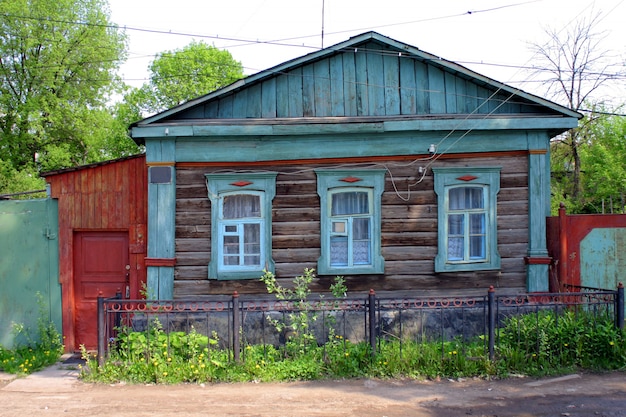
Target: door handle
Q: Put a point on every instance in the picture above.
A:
(127, 282)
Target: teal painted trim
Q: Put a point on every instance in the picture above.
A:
(329, 146)
(488, 177)
(219, 185)
(162, 232)
(370, 179)
(280, 127)
(166, 283)
(538, 210)
(491, 123)
(538, 203)
(160, 282)
(161, 150)
(161, 220)
(536, 278)
(152, 282)
(151, 131)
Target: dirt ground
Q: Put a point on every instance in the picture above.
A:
(60, 393)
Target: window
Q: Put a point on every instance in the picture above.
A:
(467, 200)
(241, 236)
(350, 204)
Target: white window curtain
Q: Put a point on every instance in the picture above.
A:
(466, 224)
(238, 206)
(350, 244)
(241, 214)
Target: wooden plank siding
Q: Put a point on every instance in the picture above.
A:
(409, 229)
(108, 196)
(373, 81)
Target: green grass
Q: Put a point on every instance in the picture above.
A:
(534, 344)
(37, 352)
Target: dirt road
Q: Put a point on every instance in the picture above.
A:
(57, 392)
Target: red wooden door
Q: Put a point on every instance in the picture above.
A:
(101, 267)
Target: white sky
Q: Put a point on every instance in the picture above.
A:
(496, 32)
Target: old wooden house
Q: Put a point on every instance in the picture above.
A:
(102, 212)
(369, 159)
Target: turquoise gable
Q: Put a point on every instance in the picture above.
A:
(368, 76)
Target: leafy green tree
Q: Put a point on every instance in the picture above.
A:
(183, 74)
(604, 159)
(58, 60)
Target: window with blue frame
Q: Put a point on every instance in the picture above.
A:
(241, 237)
(467, 215)
(350, 205)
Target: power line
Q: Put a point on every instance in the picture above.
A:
(245, 42)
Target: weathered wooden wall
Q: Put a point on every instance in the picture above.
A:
(106, 196)
(409, 229)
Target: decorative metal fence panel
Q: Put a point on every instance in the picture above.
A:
(233, 323)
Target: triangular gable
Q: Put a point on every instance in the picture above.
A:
(368, 75)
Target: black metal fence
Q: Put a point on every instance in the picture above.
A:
(232, 323)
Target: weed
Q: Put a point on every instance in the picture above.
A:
(38, 352)
(540, 343)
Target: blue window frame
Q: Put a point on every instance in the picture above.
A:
(350, 206)
(241, 229)
(467, 217)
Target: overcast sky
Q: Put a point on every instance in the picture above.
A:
(486, 36)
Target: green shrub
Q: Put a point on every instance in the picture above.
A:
(533, 344)
(546, 342)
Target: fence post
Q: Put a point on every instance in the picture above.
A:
(372, 320)
(619, 307)
(236, 342)
(101, 336)
(491, 313)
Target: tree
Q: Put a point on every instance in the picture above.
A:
(180, 75)
(577, 67)
(58, 60)
(604, 159)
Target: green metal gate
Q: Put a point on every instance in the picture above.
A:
(29, 267)
(603, 258)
